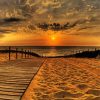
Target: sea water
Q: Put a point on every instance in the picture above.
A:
(54, 51)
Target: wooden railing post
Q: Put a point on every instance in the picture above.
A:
(22, 53)
(16, 53)
(9, 53)
(25, 53)
(30, 53)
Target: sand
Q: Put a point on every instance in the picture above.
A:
(66, 79)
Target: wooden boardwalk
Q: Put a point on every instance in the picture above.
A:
(16, 75)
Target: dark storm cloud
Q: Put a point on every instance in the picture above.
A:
(68, 25)
(6, 31)
(56, 26)
(7, 23)
(12, 19)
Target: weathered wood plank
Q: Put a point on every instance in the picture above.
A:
(15, 77)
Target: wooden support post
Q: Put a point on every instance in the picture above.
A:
(9, 53)
(30, 53)
(16, 53)
(25, 53)
(22, 53)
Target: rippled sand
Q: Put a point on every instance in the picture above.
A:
(66, 79)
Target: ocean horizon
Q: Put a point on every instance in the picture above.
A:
(54, 50)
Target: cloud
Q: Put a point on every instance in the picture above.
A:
(12, 19)
(1, 35)
(9, 25)
(93, 34)
(67, 25)
(84, 28)
(56, 15)
(6, 31)
(56, 26)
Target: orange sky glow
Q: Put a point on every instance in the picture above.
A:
(49, 22)
(49, 40)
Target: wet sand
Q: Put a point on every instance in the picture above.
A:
(15, 76)
(66, 79)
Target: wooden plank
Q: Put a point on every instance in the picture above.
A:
(15, 77)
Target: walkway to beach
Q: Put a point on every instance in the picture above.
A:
(16, 75)
(66, 79)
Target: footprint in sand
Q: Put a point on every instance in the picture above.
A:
(94, 92)
(82, 86)
(63, 88)
(38, 93)
(41, 97)
(92, 98)
(63, 99)
(44, 97)
(65, 94)
(97, 98)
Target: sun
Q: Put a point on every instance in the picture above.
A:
(53, 38)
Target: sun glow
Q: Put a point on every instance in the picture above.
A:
(53, 38)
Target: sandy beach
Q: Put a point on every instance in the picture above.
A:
(66, 79)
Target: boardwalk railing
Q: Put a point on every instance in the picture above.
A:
(28, 53)
(25, 53)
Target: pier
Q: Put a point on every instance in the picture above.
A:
(25, 53)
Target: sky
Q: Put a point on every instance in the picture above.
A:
(50, 22)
